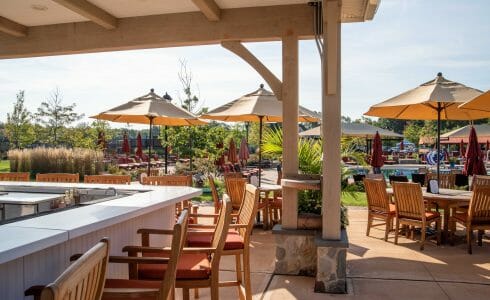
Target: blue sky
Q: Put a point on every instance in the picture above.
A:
(407, 43)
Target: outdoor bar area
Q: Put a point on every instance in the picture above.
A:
(311, 205)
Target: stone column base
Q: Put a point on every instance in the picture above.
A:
(331, 265)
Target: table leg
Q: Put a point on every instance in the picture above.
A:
(266, 212)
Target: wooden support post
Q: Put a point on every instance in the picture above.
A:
(290, 106)
(331, 126)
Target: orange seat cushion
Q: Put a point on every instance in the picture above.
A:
(432, 215)
(392, 209)
(233, 240)
(190, 266)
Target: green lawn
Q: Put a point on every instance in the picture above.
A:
(4, 166)
(357, 199)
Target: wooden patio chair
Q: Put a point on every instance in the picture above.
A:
(235, 188)
(58, 177)
(215, 195)
(14, 176)
(375, 176)
(411, 211)
(173, 180)
(477, 217)
(107, 179)
(198, 267)
(237, 241)
(446, 181)
(480, 180)
(135, 288)
(83, 280)
(379, 206)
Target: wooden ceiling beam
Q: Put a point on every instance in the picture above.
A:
(209, 8)
(12, 28)
(91, 12)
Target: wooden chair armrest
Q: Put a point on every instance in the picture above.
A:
(138, 260)
(133, 250)
(200, 232)
(236, 226)
(117, 293)
(201, 226)
(204, 215)
(35, 291)
(154, 231)
(198, 250)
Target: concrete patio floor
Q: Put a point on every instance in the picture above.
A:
(376, 269)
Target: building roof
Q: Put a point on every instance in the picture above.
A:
(356, 130)
(463, 133)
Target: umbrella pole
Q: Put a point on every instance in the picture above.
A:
(149, 147)
(260, 148)
(166, 148)
(438, 140)
(247, 125)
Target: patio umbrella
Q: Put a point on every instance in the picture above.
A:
(488, 145)
(437, 99)
(243, 154)
(221, 159)
(377, 160)
(480, 103)
(101, 140)
(402, 146)
(126, 148)
(139, 146)
(232, 152)
(461, 148)
(474, 164)
(153, 110)
(259, 106)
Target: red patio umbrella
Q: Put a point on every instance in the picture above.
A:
(101, 140)
(461, 148)
(402, 146)
(377, 160)
(232, 152)
(243, 154)
(488, 145)
(139, 146)
(474, 158)
(125, 145)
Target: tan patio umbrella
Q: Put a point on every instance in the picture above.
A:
(480, 103)
(437, 99)
(153, 110)
(258, 106)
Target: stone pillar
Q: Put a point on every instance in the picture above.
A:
(331, 127)
(331, 265)
(290, 108)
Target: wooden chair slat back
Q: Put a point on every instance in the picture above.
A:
(248, 211)
(409, 200)
(233, 175)
(14, 176)
(214, 191)
(107, 179)
(479, 210)
(84, 279)
(178, 242)
(375, 176)
(480, 180)
(377, 197)
(235, 188)
(58, 177)
(169, 180)
(446, 181)
(220, 234)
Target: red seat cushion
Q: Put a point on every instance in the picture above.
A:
(130, 284)
(233, 240)
(431, 215)
(392, 209)
(190, 266)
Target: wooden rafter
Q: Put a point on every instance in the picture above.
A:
(91, 12)
(12, 28)
(209, 8)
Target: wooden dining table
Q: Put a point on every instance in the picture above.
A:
(445, 200)
(265, 189)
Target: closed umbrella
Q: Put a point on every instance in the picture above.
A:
(461, 148)
(232, 152)
(126, 148)
(221, 159)
(101, 143)
(377, 160)
(153, 110)
(488, 145)
(402, 146)
(474, 164)
(139, 146)
(243, 154)
(437, 99)
(259, 106)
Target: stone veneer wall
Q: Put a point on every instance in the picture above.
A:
(304, 252)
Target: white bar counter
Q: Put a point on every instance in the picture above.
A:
(36, 250)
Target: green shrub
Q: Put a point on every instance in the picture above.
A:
(56, 160)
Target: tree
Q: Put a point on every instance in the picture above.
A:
(18, 128)
(412, 132)
(189, 101)
(55, 116)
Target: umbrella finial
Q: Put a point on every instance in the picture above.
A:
(439, 74)
(261, 85)
(152, 90)
(167, 97)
